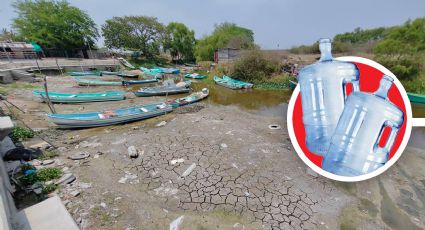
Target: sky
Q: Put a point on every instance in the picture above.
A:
(275, 23)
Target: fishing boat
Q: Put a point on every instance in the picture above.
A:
(195, 76)
(109, 73)
(56, 97)
(191, 65)
(88, 73)
(150, 73)
(292, 84)
(110, 117)
(126, 63)
(123, 74)
(416, 98)
(167, 88)
(88, 82)
(227, 84)
(245, 85)
(165, 70)
(192, 98)
(138, 82)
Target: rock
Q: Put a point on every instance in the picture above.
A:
(62, 149)
(38, 191)
(128, 176)
(132, 152)
(42, 145)
(96, 156)
(175, 161)
(84, 185)
(103, 205)
(36, 162)
(189, 170)
(162, 123)
(48, 162)
(135, 127)
(65, 202)
(176, 223)
(79, 156)
(66, 179)
(312, 173)
(74, 193)
(223, 145)
(122, 180)
(5, 145)
(239, 226)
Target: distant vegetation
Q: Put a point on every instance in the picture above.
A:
(225, 35)
(399, 48)
(53, 24)
(180, 41)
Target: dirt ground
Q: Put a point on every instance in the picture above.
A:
(220, 167)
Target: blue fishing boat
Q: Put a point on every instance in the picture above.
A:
(88, 73)
(111, 117)
(194, 76)
(149, 73)
(138, 82)
(56, 97)
(227, 84)
(165, 70)
(245, 85)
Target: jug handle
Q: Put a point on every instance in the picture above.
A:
(355, 84)
(381, 153)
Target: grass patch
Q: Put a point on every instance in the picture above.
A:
(20, 134)
(278, 82)
(48, 154)
(46, 174)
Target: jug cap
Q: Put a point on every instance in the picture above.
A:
(384, 86)
(325, 46)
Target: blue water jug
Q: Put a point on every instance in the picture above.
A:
(323, 94)
(354, 148)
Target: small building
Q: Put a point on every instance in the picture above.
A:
(17, 50)
(226, 55)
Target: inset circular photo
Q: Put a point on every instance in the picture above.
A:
(349, 118)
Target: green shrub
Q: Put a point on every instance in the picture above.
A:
(253, 66)
(48, 188)
(28, 179)
(21, 134)
(48, 154)
(46, 174)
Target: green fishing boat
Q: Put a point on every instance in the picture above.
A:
(56, 97)
(227, 84)
(245, 85)
(88, 82)
(88, 73)
(416, 98)
(195, 76)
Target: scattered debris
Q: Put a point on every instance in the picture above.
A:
(128, 176)
(21, 154)
(189, 170)
(239, 226)
(119, 142)
(175, 161)
(42, 145)
(103, 205)
(74, 193)
(274, 126)
(66, 179)
(132, 152)
(84, 185)
(12, 165)
(162, 123)
(48, 162)
(166, 191)
(79, 156)
(96, 156)
(223, 145)
(176, 223)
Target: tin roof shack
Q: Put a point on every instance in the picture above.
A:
(16, 50)
(226, 55)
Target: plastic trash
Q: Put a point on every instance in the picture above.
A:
(323, 94)
(355, 146)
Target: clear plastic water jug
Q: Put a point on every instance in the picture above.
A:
(323, 94)
(355, 148)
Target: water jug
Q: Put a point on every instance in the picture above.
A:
(355, 148)
(323, 94)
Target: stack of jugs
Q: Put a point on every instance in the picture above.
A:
(346, 130)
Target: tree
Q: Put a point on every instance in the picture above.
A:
(6, 35)
(225, 35)
(180, 41)
(403, 49)
(54, 24)
(138, 33)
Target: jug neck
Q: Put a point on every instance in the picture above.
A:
(384, 86)
(325, 48)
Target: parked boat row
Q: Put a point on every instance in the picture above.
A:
(56, 97)
(94, 82)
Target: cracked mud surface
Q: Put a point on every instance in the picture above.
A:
(250, 174)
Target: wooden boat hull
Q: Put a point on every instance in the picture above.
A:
(416, 98)
(81, 98)
(87, 82)
(193, 98)
(128, 75)
(199, 76)
(125, 115)
(85, 73)
(161, 93)
(138, 82)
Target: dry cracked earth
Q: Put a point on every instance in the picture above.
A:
(216, 169)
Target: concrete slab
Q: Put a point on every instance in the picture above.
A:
(48, 214)
(5, 145)
(6, 126)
